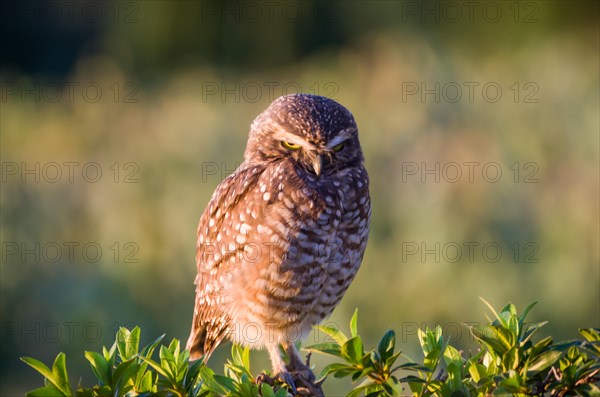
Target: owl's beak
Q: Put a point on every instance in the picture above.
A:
(317, 164)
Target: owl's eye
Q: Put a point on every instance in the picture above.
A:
(290, 146)
(338, 147)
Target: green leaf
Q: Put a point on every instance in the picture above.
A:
(167, 362)
(514, 383)
(192, 375)
(454, 377)
(208, 377)
(526, 312)
(431, 360)
(431, 340)
(281, 393)
(266, 390)
(411, 367)
(591, 334)
(333, 333)
(540, 346)
(497, 338)
(40, 367)
(532, 330)
(123, 375)
(413, 379)
(392, 359)
(57, 376)
(358, 390)
(508, 320)
(514, 327)
(128, 342)
(477, 371)
(236, 354)
(353, 325)
(59, 369)
(491, 308)
(99, 366)
(335, 368)
(544, 360)
(327, 348)
(353, 350)
(156, 366)
(226, 382)
(452, 356)
(392, 387)
(109, 355)
(246, 358)
(146, 382)
(386, 345)
(422, 338)
(510, 308)
(589, 389)
(510, 359)
(174, 347)
(149, 349)
(241, 357)
(46, 391)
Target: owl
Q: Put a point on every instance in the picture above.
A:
(284, 235)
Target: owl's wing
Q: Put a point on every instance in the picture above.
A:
(215, 223)
(215, 228)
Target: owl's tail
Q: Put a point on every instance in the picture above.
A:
(196, 342)
(208, 330)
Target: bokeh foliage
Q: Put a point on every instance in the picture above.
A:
(181, 139)
(508, 362)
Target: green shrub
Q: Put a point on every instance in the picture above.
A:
(509, 362)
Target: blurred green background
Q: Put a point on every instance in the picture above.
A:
(479, 123)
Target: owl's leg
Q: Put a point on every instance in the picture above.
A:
(276, 359)
(296, 362)
(279, 369)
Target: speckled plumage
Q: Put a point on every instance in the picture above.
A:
(284, 235)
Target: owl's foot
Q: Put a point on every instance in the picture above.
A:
(304, 378)
(306, 385)
(281, 378)
(297, 375)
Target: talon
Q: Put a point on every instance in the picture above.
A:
(286, 378)
(283, 377)
(264, 378)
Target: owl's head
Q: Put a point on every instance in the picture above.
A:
(315, 133)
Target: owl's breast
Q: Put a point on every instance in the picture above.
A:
(308, 238)
(332, 237)
(327, 219)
